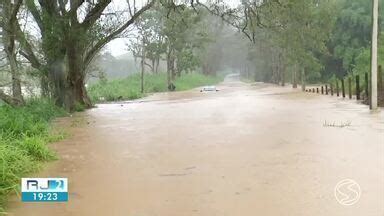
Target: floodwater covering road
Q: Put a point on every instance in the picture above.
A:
(245, 150)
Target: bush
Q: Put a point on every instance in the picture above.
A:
(130, 88)
(14, 163)
(36, 147)
(24, 134)
(190, 81)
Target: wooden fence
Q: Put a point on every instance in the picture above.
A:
(351, 85)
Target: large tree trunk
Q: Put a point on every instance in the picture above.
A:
(77, 96)
(68, 81)
(74, 95)
(58, 76)
(67, 74)
(76, 91)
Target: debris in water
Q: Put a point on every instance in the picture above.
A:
(340, 125)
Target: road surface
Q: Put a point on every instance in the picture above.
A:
(245, 150)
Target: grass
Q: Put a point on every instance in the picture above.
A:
(129, 88)
(24, 134)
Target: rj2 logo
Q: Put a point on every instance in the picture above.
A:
(44, 189)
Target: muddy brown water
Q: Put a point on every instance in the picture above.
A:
(245, 150)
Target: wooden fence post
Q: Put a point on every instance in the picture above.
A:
(317, 90)
(343, 87)
(357, 87)
(313, 90)
(331, 89)
(322, 89)
(326, 89)
(337, 88)
(350, 87)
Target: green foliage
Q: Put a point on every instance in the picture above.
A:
(24, 134)
(14, 163)
(349, 43)
(129, 88)
(29, 120)
(174, 33)
(363, 60)
(327, 38)
(294, 36)
(194, 80)
(79, 107)
(36, 147)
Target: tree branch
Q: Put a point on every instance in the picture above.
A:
(15, 10)
(8, 99)
(35, 13)
(75, 4)
(101, 43)
(27, 50)
(62, 4)
(95, 13)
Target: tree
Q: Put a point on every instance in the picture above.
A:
(9, 12)
(292, 34)
(72, 33)
(170, 32)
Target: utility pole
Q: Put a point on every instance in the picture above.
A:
(375, 18)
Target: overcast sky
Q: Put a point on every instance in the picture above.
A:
(118, 46)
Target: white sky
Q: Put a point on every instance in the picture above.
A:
(118, 46)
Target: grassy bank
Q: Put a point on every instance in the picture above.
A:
(129, 88)
(24, 134)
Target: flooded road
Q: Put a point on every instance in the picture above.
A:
(243, 151)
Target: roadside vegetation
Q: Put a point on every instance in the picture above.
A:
(130, 87)
(55, 47)
(24, 135)
(294, 41)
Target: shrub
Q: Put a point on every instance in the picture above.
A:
(130, 88)
(24, 134)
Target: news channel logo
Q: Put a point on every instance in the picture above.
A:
(347, 192)
(44, 189)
